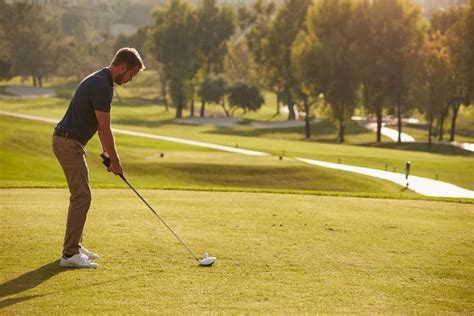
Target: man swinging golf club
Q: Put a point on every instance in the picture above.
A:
(88, 112)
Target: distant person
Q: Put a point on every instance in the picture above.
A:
(407, 171)
(88, 112)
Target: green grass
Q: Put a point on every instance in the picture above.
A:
(447, 163)
(421, 135)
(454, 166)
(27, 160)
(465, 119)
(276, 254)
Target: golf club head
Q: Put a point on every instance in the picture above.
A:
(207, 261)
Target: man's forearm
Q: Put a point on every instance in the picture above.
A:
(108, 143)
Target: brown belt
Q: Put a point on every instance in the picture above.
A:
(70, 136)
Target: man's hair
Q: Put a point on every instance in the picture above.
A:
(129, 57)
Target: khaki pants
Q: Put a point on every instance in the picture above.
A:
(72, 156)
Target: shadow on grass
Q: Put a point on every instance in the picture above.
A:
(16, 300)
(324, 128)
(26, 282)
(442, 149)
(144, 123)
(139, 102)
(34, 278)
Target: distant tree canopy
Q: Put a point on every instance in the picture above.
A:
(173, 40)
(246, 97)
(213, 89)
(31, 41)
(380, 55)
(215, 26)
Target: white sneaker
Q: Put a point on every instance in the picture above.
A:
(89, 254)
(79, 260)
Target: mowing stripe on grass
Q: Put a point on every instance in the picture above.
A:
(190, 142)
(146, 135)
(418, 184)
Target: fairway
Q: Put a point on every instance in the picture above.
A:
(27, 161)
(447, 164)
(276, 253)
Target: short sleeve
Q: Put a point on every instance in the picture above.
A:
(101, 98)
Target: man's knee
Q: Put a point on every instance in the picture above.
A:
(82, 197)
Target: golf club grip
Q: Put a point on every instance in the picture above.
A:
(106, 161)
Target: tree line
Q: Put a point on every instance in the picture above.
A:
(336, 54)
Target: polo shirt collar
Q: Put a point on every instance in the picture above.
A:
(109, 76)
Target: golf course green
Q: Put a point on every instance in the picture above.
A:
(275, 254)
(289, 238)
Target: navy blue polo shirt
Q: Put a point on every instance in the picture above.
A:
(94, 93)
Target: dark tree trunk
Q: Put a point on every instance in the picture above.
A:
(203, 105)
(456, 107)
(291, 111)
(290, 104)
(278, 103)
(34, 81)
(179, 111)
(40, 81)
(225, 110)
(192, 107)
(164, 93)
(306, 119)
(442, 116)
(342, 127)
(430, 128)
(399, 123)
(379, 124)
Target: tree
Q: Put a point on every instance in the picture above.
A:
(76, 59)
(332, 36)
(380, 42)
(213, 90)
(5, 50)
(470, 47)
(77, 25)
(278, 44)
(34, 41)
(433, 90)
(173, 41)
(238, 63)
(452, 24)
(257, 23)
(408, 33)
(215, 26)
(306, 69)
(245, 96)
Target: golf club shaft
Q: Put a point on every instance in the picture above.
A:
(159, 217)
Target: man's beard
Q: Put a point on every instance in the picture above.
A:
(119, 79)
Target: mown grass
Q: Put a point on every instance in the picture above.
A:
(446, 163)
(276, 253)
(27, 160)
(453, 165)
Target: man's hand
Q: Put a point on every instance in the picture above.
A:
(115, 167)
(108, 163)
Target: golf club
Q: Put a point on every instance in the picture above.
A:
(206, 261)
